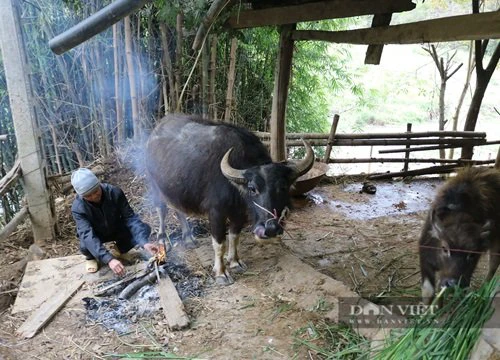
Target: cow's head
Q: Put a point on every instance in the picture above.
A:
(266, 189)
(462, 240)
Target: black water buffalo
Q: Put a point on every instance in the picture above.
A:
(225, 172)
(463, 223)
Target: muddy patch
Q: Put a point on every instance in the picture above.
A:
(390, 199)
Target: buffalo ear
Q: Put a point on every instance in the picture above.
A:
(485, 230)
(436, 227)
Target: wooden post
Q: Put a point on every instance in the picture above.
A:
(497, 161)
(407, 154)
(33, 165)
(281, 80)
(333, 130)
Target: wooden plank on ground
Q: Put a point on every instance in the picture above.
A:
(41, 316)
(172, 305)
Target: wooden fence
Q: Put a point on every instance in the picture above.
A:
(6, 183)
(410, 142)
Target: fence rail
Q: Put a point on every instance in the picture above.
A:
(412, 142)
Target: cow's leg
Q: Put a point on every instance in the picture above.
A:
(187, 234)
(235, 263)
(494, 259)
(218, 230)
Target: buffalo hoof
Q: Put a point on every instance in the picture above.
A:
(190, 243)
(161, 237)
(238, 267)
(225, 279)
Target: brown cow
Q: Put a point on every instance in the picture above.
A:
(463, 223)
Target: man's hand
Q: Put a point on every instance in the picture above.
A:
(117, 267)
(152, 248)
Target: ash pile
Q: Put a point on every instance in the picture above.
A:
(118, 304)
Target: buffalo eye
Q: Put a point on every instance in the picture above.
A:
(446, 251)
(252, 189)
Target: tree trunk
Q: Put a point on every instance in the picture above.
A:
(120, 124)
(483, 76)
(131, 79)
(230, 80)
(470, 68)
(442, 122)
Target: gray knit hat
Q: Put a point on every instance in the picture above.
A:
(84, 181)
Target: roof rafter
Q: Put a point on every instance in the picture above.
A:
(453, 28)
(321, 10)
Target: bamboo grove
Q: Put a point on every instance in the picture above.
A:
(111, 90)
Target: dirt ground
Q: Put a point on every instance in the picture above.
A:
(367, 242)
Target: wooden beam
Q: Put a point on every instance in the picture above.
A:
(320, 10)
(172, 305)
(280, 94)
(453, 28)
(374, 52)
(48, 309)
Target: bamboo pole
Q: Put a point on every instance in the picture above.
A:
(117, 61)
(442, 169)
(230, 80)
(9, 179)
(403, 135)
(131, 77)
(3, 137)
(56, 148)
(385, 142)
(413, 160)
(425, 148)
(333, 130)
(14, 223)
(213, 71)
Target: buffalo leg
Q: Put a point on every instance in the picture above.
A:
(187, 233)
(218, 231)
(494, 260)
(428, 272)
(162, 211)
(235, 264)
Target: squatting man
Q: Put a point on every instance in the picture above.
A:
(102, 214)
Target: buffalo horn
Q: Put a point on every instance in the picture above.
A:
(302, 166)
(229, 172)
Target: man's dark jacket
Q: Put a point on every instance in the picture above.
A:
(111, 220)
